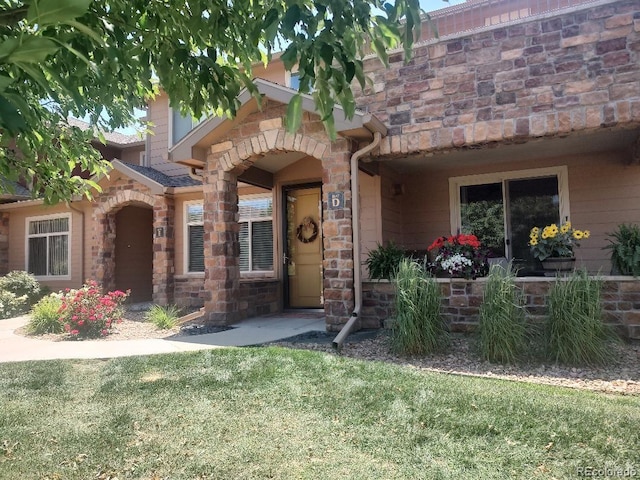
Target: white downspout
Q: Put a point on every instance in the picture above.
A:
(355, 227)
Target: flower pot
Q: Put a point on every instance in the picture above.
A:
(553, 266)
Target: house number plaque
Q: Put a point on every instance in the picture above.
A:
(336, 200)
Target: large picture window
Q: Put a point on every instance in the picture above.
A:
(48, 246)
(194, 237)
(500, 209)
(256, 233)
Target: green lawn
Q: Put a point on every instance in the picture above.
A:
(275, 413)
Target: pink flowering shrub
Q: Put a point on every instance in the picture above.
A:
(87, 313)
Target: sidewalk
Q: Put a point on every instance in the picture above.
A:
(16, 348)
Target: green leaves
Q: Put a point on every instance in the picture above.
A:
(49, 12)
(294, 113)
(28, 49)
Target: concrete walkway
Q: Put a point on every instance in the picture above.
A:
(16, 348)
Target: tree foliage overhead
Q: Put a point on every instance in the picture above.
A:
(100, 59)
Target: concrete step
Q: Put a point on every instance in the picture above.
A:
(634, 331)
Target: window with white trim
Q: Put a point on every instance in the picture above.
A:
(194, 237)
(256, 233)
(48, 246)
(501, 208)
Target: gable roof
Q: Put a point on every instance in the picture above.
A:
(157, 181)
(113, 138)
(361, 126)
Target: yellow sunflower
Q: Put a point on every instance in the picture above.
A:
(586, 234)
(577, 234)
(533, 242)
(553, 229)
(564, 228)
(545, 235)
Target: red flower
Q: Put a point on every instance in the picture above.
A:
(75, 332)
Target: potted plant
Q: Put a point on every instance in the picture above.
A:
(624, 244)
(554, 245)
(458, 256)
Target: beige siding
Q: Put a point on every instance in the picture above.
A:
(132, 155)
(603, 192)
(18, 243)
(158, 115)
(391, 206)
(370, 217)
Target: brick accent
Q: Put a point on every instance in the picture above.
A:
(4, 243)
(120, 193)
(259, 134)
(260, 297)
(462, 300)
(574, 72)
(188, 290)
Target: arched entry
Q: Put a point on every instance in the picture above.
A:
(134, 252)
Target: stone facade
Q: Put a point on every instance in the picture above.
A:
(462, 300)
(118, 194)
(257, 135)
(188, 290)
(552, 76)
(260, 297)
(4, 243)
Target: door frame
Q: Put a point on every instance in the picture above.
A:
(283, 235)
(561, 172)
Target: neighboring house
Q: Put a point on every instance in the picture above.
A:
(532, 121)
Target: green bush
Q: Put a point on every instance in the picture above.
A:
(419, 327)
(45, 316)
(163, 317)
(575, 333)
(624, 244)
(382, 262)
(502, 317)
(21, 284)
(11, 305)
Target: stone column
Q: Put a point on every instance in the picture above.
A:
(163, 250)
(103, 249)
(4, 243)
(337, 236)
(222, 246)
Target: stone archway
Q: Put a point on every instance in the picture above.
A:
(105, 217)
(226, 160)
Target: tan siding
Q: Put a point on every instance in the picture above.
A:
(370, 217)
(159, 142)
(391, 206)
(132, 155)
(274, 73)
(17, 243)
(305, 170)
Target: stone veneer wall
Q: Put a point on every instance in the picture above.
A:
(4, 243)
(188, 290)
(462, 299)
(545, 77)
(260, 297)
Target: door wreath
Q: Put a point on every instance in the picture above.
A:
(302, 230)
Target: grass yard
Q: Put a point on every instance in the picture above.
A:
(275, 413)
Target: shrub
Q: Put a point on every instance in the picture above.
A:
(45, 316)
(419, 326)
(87, 313)
(163, 317)
(624, 244)
(12, 305)
(575, 333)
(21, 284)
(502, 317)
(382, 262)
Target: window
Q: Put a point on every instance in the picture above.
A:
(194, 237)
(48, 246)
(294, 81)
(256, 233)
(180, 125)
(500, 209)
